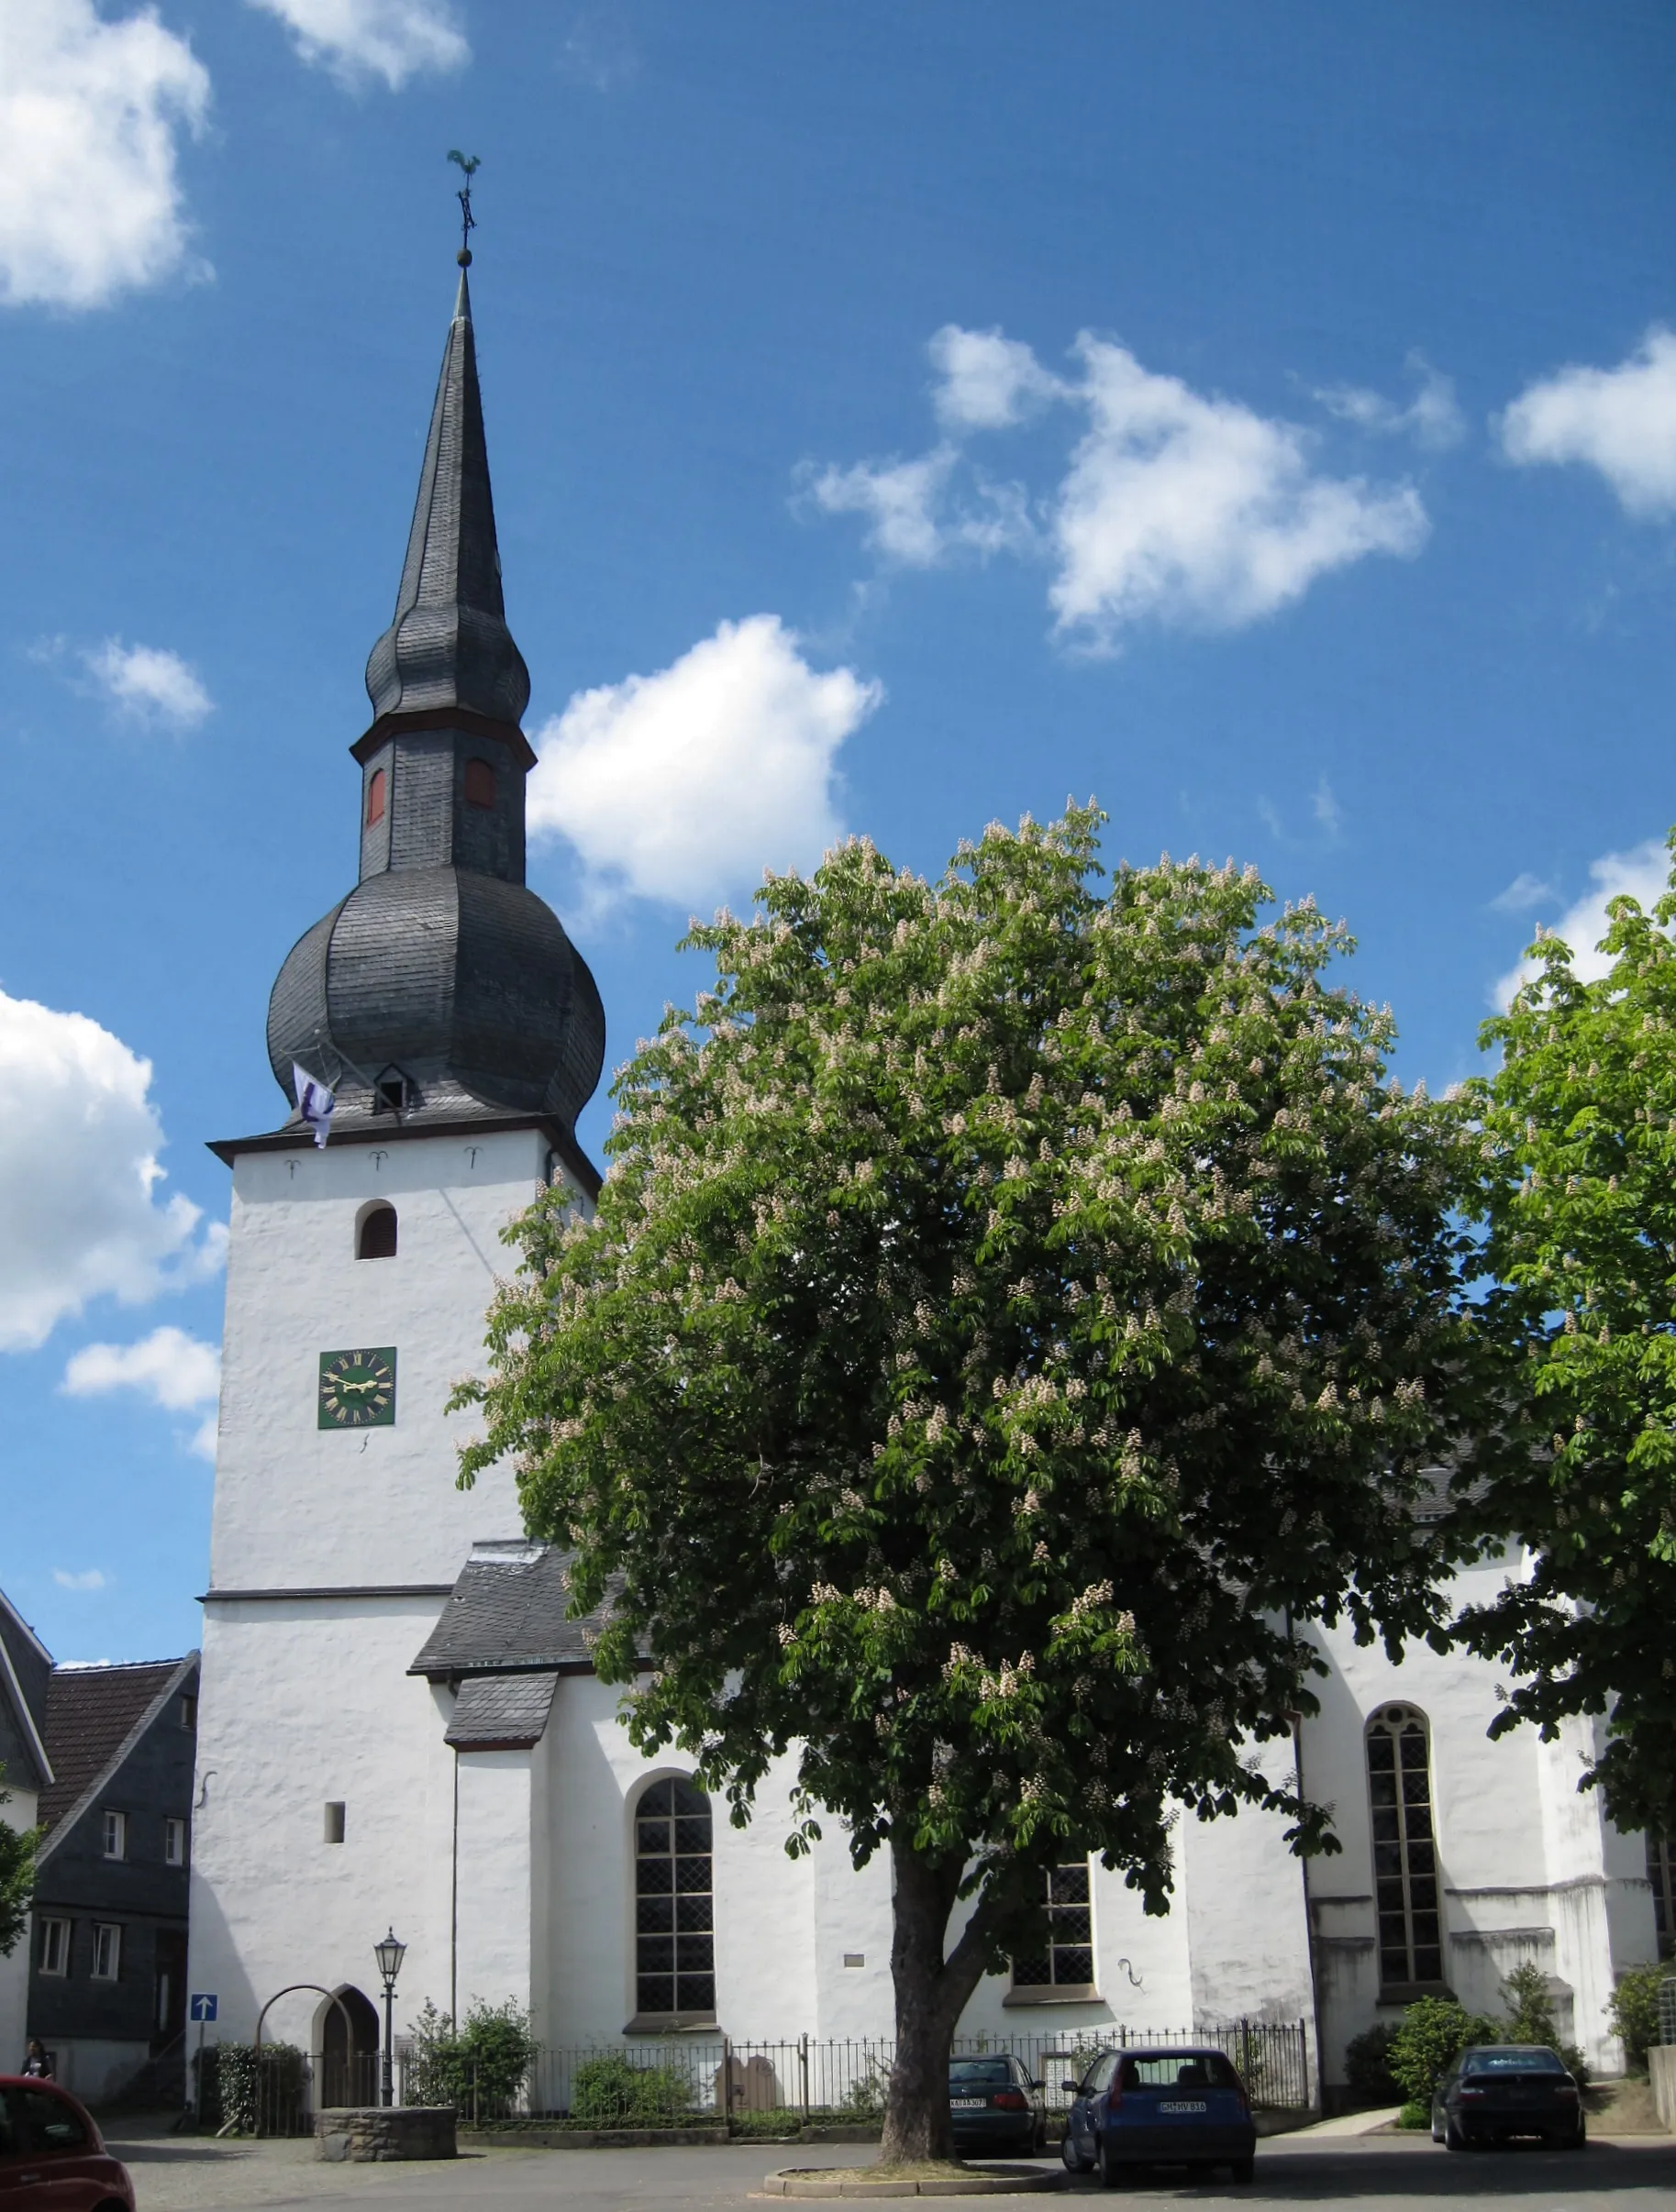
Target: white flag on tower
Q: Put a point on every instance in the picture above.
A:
(315, 1102)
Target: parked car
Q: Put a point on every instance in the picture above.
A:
(994, 2104)
(1185, 2108)
(1496, 2091)
(53, 2158)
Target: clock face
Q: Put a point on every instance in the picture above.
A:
(358, 1389)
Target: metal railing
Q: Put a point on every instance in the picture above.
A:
(778, 2087)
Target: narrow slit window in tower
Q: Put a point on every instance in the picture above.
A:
(478, 783)
(376, 797)
(377, 1236)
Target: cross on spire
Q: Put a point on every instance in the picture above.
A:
(469, 164)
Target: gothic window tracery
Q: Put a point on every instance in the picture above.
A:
(1407, 1898)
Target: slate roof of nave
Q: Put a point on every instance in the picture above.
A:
(508, 1615)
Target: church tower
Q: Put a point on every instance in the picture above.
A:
(461, 1033)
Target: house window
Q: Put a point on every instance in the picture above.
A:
(376, 1237)
(674, 1954)
(174, 1842)
(115, 1835)
(1404, 1851)
(55, 1947)
(377, 789)
(189, 1710)
(1661, 1874)
(1068, 1961)
(334, 1820)
(478, 783)
(106, 1951)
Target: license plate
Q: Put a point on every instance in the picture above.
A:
(967, 2104)
(1179, 2106)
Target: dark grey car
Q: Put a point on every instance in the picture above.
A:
(1496, 2091)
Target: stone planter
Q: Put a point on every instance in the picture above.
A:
(362, 2132)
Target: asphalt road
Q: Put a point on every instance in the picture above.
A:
(1376, 2174)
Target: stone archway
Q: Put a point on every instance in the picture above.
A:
(349, 2052)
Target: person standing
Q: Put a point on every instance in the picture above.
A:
(36, 2065)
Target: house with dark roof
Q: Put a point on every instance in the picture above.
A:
(107, 1947)
(26, 1669)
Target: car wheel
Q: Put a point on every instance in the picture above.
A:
(1577, 2138)
(1453, 2139)
(1244, 2169)
(1071, 2158)
(1112, 2173)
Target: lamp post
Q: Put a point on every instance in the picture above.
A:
(389, 1954)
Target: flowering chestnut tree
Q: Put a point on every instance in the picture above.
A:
(1018, 1308)
(1580, 1214)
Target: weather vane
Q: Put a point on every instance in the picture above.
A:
(469, 165)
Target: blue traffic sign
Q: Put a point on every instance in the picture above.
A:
(203, 2008)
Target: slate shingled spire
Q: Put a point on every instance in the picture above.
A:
(443, 990)
(448, 644)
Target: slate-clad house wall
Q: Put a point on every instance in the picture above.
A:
(26, 1668)
(122, 1740)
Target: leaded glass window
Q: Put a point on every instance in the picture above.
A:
(1661, 1874)
(1068, 1961)
(1404, 1849)
(674, 1919)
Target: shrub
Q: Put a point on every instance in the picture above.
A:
(1434, 2032)
(248, 2089)
(479, 2067)
(1634, 2012)
(1530, 2018)
(1366, 2066)
(609, 2092)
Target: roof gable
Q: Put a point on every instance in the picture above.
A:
(95, 1715)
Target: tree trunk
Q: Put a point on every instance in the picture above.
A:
(931, 1995)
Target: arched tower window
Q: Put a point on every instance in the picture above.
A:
(375, 1237)
(478, 783)
(673, 1905)
(378, 784)
(1405, 1847)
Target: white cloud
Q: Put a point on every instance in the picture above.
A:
(986, 381)
(1621, 421)
(150, 683)
(355, 39)
(1197, 511)
(1431, 418)
(1525, 892)
(1174, 508)
(84, 1216)
(87, 1578)
(1643, 872)
(1326, 808)
(91, 118)
(686, 784)
(175, 1371)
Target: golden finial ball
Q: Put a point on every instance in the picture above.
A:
(464, 257)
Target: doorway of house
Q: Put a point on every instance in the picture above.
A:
(348, 2053)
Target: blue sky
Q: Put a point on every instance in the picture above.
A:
(1262, 419)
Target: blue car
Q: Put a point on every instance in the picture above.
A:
(1133, 2109)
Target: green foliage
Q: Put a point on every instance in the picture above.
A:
(479, 2067)
(1579, 1211)
(1530, 2018)
(1367, 2065)
(17, 1848)
(1019, 1311)
(1434, 2033)
(1634, 2012)
(610, 2092)
(248, 2086)
(1415, 2116)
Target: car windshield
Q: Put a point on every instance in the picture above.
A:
(964, 2072)
(1176, 2070)
(1532, 2061)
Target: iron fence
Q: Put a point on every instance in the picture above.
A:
(776, 2087)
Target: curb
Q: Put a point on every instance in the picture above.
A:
(852, 2181)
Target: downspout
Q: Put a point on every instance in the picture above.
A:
(453, 1911)
(1309, 1915)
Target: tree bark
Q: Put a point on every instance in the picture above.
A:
(931, 1995)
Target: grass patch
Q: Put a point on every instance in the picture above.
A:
(1414, 2115)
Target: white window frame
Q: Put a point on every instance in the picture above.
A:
(106, 1951)
(1061, 1905)
(174, 1840)
(55, 1947)
(116, 1833)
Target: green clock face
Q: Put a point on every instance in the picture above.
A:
(358, 1389)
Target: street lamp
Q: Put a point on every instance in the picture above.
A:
(389, 1954)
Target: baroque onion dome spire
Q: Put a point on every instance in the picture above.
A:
(443, 990)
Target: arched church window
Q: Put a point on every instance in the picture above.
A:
(1405, 1847)
(674, 1918)
(377, 789)
(478, 783)
(376, 1238)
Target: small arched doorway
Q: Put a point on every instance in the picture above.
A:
(348, 2053)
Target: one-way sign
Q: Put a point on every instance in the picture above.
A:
(202, 2007)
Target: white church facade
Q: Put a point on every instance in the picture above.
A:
(399, 1728)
